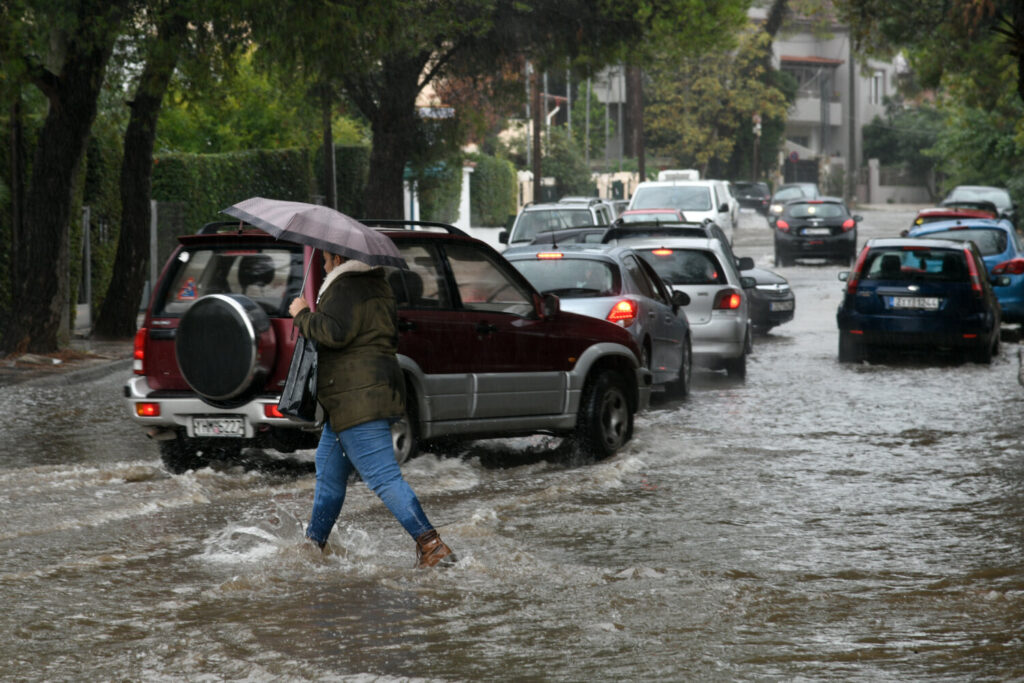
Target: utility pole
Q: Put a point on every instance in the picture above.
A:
(851, 162)
(537, 121)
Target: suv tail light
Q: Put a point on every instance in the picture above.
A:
(854, 279)
(624, 311)
(782, 225)
(727, 300)
(139, 351)
(849, 224)
(972, 269)
(1012, 267)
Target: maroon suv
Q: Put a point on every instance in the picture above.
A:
(484, 354)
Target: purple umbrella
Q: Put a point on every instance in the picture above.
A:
(320, 227)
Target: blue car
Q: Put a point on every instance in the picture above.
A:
(918, 293)
(1000, 250)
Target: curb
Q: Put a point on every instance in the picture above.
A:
(79, 376)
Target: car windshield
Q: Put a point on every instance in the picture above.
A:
(812, 210)
(789, 193)
(685, 266)
(571, 277)
(989, 241)
(684, 198)
(269, 276)
(919, 264)
(989, 194)
(531, 223)
(652, 217)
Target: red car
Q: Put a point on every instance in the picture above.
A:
(484, 354)
(948, 213)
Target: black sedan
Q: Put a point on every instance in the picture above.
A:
(815, 228)
(772, 302)
(753, 195)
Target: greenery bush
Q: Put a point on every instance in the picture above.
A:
(439, 187)
(493, 190)
(351, 170)
(564, 161)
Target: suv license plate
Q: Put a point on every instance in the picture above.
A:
(927, 303)
(230, 427)
(780, 306)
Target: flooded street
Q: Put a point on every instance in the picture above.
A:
(818, 521)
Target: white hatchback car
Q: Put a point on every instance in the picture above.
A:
(699, 200)
(719, 308)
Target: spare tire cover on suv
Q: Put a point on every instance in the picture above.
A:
(225, 348)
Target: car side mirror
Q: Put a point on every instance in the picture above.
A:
(680, 299)
(843, 275)
(503, 237)
(724, 208)
(748, 282)
(510, 221)
(744, 263)
(904, 233)
(551, 305)
(858, 218)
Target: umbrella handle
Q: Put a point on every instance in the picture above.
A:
(302, 292)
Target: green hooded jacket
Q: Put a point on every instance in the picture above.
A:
(355, 328)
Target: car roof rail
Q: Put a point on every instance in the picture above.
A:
(658, 230)
(216, 227)
(411, 225)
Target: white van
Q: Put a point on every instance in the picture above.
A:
(699, 200)
(679, 174)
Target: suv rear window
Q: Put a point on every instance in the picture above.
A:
(678, 197)
(989, 241)
(533, 222)
(571, 277)
(938, 265)
(270, 276)
(685, 266)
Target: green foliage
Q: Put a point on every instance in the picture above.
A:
(699, 107)
(205, 184)
(101, 192)
(903, 137)
(493, 190)
(351, 169)
(439, 188)
(598, 118)
(564, 161)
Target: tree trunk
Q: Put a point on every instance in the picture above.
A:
(117, 316)
(40, 274)
(538, 119)
(635, 93)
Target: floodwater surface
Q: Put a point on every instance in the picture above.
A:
(816, 521)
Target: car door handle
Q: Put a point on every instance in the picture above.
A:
(405, 325)
(483, 328)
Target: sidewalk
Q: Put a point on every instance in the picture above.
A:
(84, 360)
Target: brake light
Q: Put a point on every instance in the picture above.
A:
(849, 224)
(270, 410)
(623, 312)
(972, 269)
(1011, 267)
(727, 300)
(147, 409)
(550, 255)
(139, 351)
(662, 252)
(854, 279)
(782, 225)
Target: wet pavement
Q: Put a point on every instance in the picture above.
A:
(817, 521)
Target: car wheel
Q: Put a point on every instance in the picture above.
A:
(737, 367)
(605, 420)
(681, 387)
(850, 350)
(405, 432)
(983, 355)
(179, 455)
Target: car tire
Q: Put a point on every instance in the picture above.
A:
(179, 455)
(225, 347)
(605, 419)
(983, 355)
(405, 433)
(736, 368)
(681, 387)
(850, 350)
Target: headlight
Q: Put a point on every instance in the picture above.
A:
(776, 208)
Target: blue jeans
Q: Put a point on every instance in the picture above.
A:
(368, 449)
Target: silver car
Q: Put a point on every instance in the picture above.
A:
(719, 308)
(615, 284)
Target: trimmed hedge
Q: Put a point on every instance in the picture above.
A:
(493, 188)
(438, 188)
(351, 171)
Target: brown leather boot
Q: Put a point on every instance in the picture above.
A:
(431, 550)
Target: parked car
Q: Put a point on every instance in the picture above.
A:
(699, 200)
(562, 215)
(787, 192)
(948, 213)
(815, 228)
(651, 216)
(918, 293)
(719, 308)
(772, 301)
(726, 191)
(963, 194)
(484, 354)
(753, 195)
(615, 284)
(1001, 250)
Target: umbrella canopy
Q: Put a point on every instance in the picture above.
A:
(320, 227)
